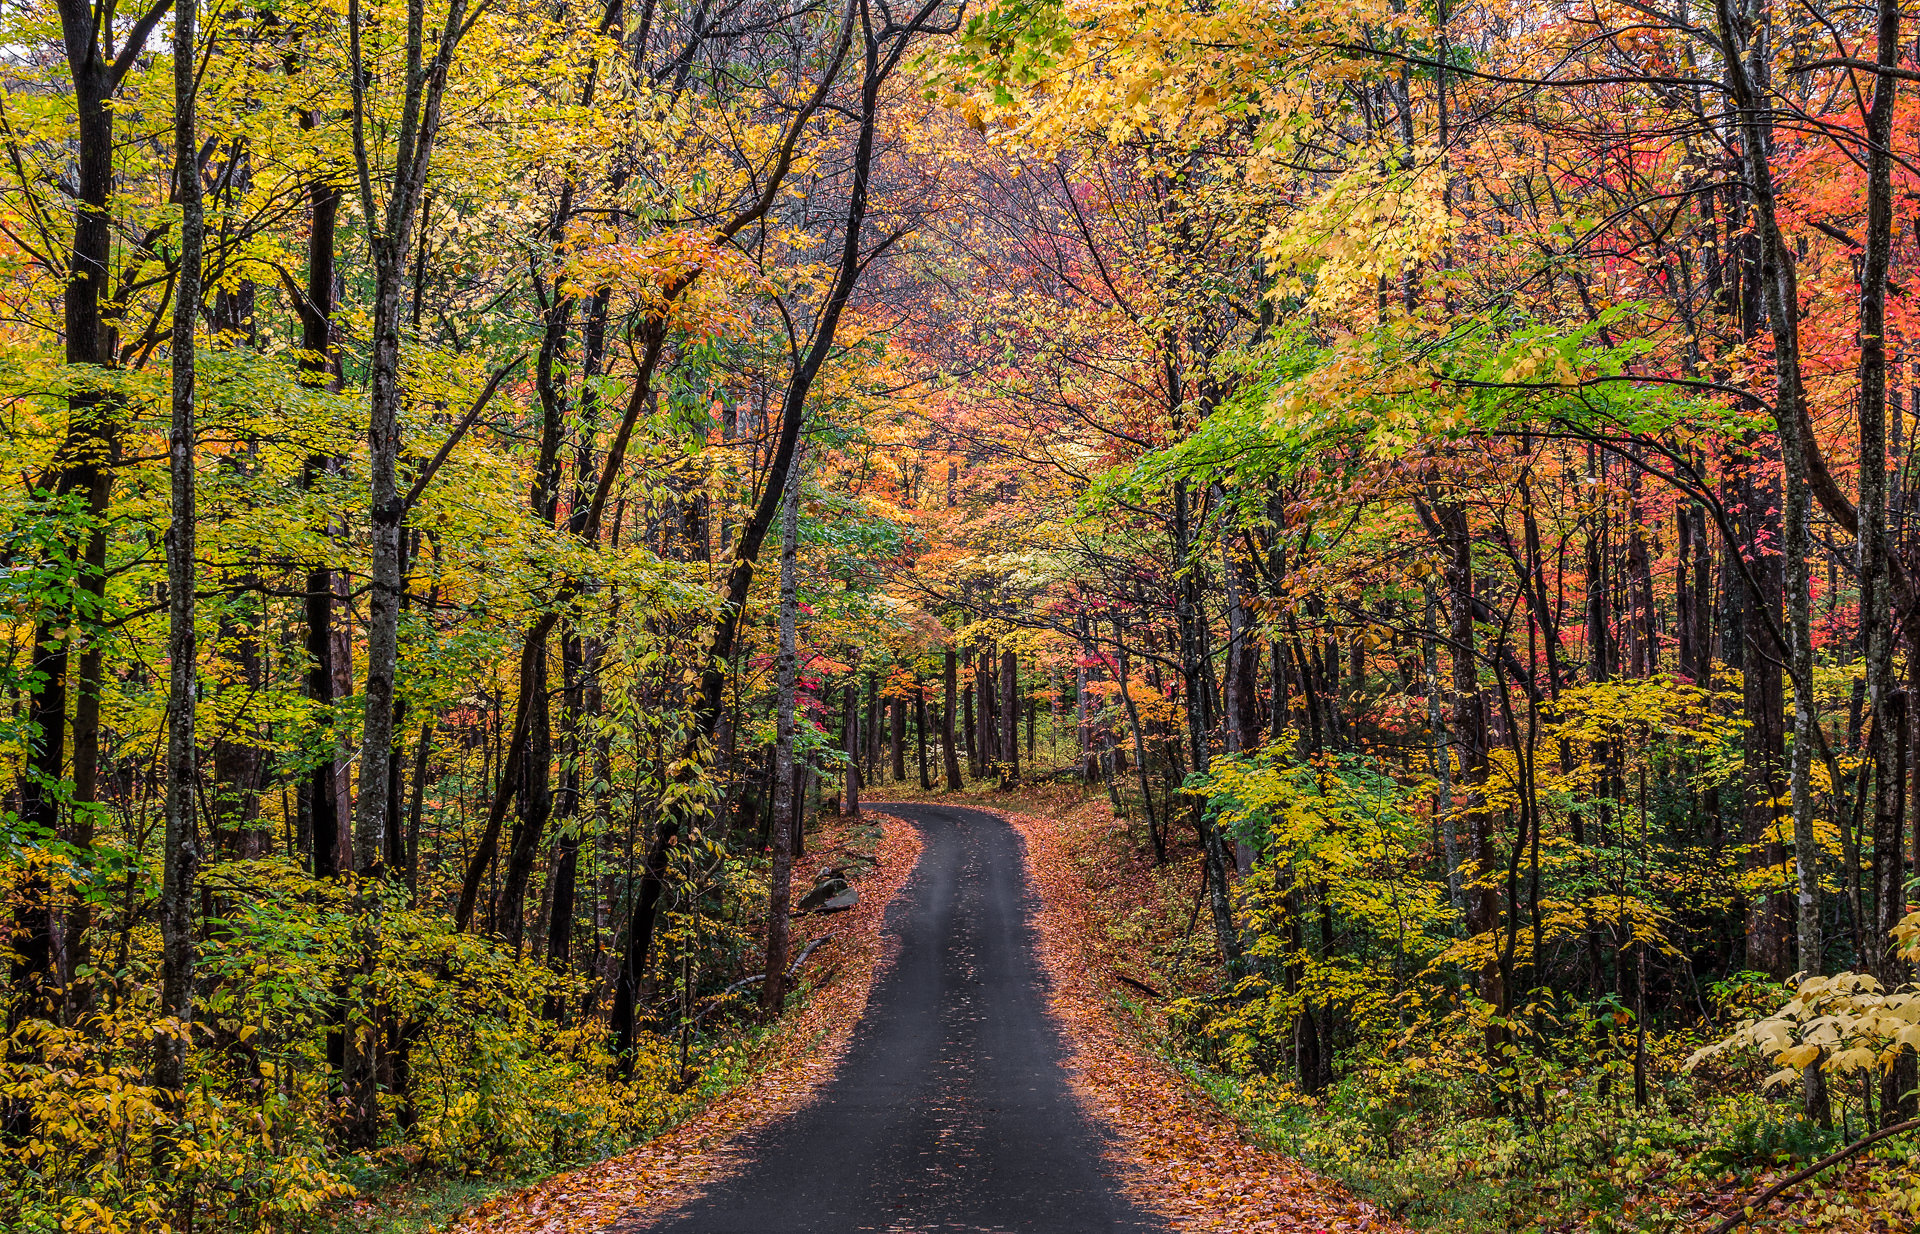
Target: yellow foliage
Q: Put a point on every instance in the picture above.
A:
(1844, 1023)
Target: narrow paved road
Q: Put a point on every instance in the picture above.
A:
(950, 1111)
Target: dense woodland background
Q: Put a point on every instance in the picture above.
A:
(482, 478)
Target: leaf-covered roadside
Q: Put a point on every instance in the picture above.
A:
(1399, 1128)
(672, 1168)
(1182, 1156)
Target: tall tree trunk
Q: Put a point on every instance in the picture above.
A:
(83, 468)
(390, 232)
(1032, 708)
(535, 800)
(1703, 609)
(637, 947)
(1082, 734)
(805, 786)
(416, 805)
(1872, 543)
(1280, 706)
(1599, 627)
(1010, 717)
(1306, 1029)
(897, 735)
(985, 668)
(1156, 834)
(1686, 601)
(181, 859)
(327, 667)
(1191, 621)
(534, 791)
(920, 730)
(1242, 686)
(1747, 65)
(563, 865)
(1796, 547)
(1901, 1076)
(1470, 738)
(950, 679)
(773, 993)
(238, 754)
(331, 853)
(1442, 756)
(973, 746)
(1770, 910)
(868, 755)
(390, 225)
(1897, 1097)
(532, 651)
(580, 667)
(850, 790)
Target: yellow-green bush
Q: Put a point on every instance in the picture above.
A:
(491, 1086)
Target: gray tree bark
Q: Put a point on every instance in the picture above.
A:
(181, 858)
(1442, 755)
(950, 676)
(390, 239)
(850, 789)
(773, 991)
(1009, 698)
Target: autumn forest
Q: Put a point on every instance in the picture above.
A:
(1409, 510)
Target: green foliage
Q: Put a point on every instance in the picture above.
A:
(1010, 45)
(1336, 830)
(1460, 1114)
(1417, 1132)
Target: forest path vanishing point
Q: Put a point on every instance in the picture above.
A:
(951, 1110)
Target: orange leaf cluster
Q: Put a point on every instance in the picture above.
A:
(1182, 1156)
(673, 1168)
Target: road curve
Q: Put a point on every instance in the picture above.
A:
(950, 1111)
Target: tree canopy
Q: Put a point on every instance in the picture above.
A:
(487, 484)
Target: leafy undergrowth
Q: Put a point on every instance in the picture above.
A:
(784, 1064)
(1423, 1148)
(1591, 1165)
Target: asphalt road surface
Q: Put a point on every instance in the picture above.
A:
(950, 1111)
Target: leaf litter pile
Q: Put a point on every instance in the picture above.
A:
(675, 1166)
(1181, 1155)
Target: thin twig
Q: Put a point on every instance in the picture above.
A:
(1141, 986)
